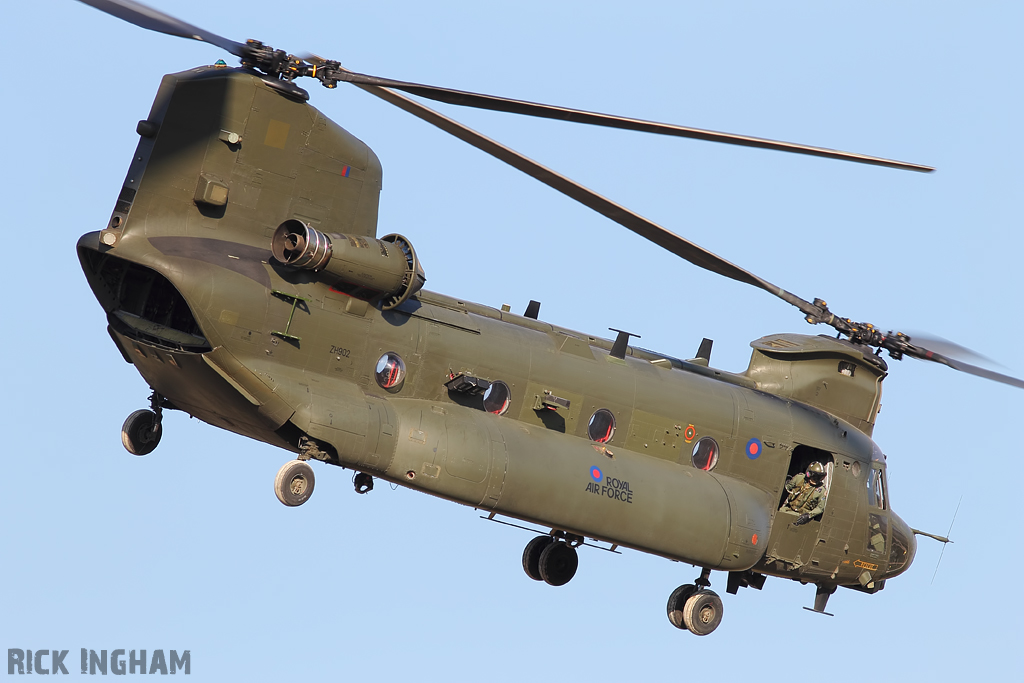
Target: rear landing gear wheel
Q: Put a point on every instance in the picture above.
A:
(702, 612)
(558, 563)
(531, 556)
(141, 432)
(677, 601)
(294, 483)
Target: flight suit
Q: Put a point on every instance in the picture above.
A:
(804, 497)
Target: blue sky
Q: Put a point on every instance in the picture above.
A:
(188, 548)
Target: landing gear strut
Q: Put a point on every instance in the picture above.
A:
(141, 432)
(552, 560)
(695, 607)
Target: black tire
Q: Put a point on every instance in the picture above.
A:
(558, 563)
(531, 556)
(141, 432)
(703, 612)
(676, 603)
(294, 483)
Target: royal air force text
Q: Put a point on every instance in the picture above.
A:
(613, 488)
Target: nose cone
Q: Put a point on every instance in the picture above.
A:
(903, 546)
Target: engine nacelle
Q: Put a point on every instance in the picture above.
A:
(387, 265)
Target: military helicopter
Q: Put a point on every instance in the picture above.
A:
(241, 274)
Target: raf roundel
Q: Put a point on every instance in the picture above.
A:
(595, 473)
(753, 449)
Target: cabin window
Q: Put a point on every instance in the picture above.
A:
(601, 426)
(847, 368)
(800, 463)
(390, 371)
(705, 454)
(497, 398)
(876, 489)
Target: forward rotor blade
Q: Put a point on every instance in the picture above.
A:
(606, 207)
(924, 354)
(481, 101)
(155, 20)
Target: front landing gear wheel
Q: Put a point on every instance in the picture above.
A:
(702, 612)
(141, 432)
(558, 563)
(531, 556)
(677, 601)
(294, 483)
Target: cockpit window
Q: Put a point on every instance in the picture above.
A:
(899, 552)
(876, 489)
(878, 529)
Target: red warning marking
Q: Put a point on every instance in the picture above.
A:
(690, 432)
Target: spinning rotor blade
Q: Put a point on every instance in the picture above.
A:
(949, 349)
(155, 20)
(645, 228)
(924, 354)
(547, 111)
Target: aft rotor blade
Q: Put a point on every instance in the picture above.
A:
(606, 207)
(924, 354)
(155, 20)
(947, 348)
(504, 104)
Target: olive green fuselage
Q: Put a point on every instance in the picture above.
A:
(230, 335)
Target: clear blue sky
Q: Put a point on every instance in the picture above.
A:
(189, 549)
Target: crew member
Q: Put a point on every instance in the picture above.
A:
(807, 493)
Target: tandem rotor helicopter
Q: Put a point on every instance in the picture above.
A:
(241, 273)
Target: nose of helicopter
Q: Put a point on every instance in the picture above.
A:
(903, 546)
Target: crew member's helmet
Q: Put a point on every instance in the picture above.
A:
(815, 472)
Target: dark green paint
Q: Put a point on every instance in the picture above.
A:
(280, 368)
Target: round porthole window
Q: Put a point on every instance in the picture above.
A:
(497, 398)
(390, 371)
(601, 426)
(705, 454)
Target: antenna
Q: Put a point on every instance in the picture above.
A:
(947, 538)
(942, 539)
